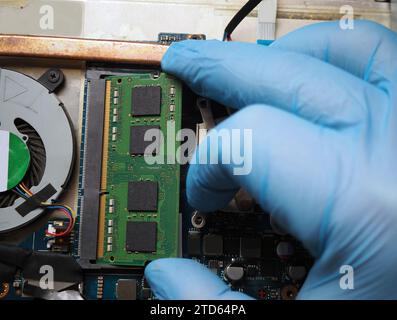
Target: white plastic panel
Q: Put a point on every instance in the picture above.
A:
(143, 20)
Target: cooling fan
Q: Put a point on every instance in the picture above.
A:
(37, 146)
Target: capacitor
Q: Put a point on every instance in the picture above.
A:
(4, 290)
(297, 273)
(234, 273)
(289, 292)
(284, 249)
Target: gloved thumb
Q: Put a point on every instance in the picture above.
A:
(185, 279)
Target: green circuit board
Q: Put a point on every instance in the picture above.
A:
(139, 215)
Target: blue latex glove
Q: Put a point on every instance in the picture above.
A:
(321, 102)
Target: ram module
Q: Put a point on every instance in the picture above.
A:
(139, 205)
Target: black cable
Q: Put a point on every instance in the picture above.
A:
(240, 15)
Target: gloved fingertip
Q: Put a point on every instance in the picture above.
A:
(200, 195)
(185, 279)
(167, 62)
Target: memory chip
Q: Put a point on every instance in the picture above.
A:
(141, 236)
(146, 101)
(138, 144)
(142, 196)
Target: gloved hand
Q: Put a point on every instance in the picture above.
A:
(322, 105)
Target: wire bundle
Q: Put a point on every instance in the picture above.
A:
(25, 193)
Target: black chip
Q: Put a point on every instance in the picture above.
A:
(231, 246)
(146, 293)
(126, 289)
(138, 144)
(213, 264)
(194, 244)
(141, 236)
(250, 247)
(212, 245)
(252, 271)
(268, 247)
(146, 101)
(142, 196)
(271, 268)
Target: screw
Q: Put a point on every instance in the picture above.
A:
(53, 76)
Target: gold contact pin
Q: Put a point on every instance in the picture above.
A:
(104, 173)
